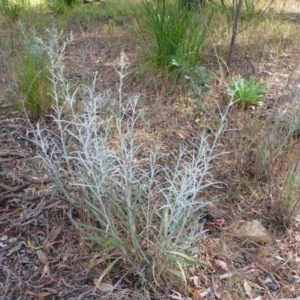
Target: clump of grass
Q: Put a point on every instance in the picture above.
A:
(266, 155)
(34, 79)
(145, 212)
(282, 144)
(13, 9)
(169, 31)
(287, 202)
(60, 6)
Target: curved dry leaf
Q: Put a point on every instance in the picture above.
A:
(196, 294)
(216, 288)
(103, 287)
(46, 270)
(38, 295)
(42, 257)
(196, 281)
(64, 266)
(248, 289)
(53, 205)
(55, 234)
(11, 213)
(66, 284)
(14, 249)
(222, 264)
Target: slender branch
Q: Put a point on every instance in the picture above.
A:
(234, 31)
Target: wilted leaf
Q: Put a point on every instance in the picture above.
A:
(38, 295)
(103, 287)
(53, 205)
(250, 267)
(196, 281)
(64, 266)
(55, 234)
(217, 289)
(248, 289)
(222, 264)
(106, 270)
(42, 257)
(11, 213)
(66, 284)
(14, 249)
(31, 246)
(196, 294)
(218, 223)
(46, 269)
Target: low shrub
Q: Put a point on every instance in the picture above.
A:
(145, 212)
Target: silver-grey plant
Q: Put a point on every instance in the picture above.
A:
(146, 213)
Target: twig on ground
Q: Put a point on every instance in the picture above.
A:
(14, 189)
(266, 288)
(269, 273)
(12, 153)
(33, 198)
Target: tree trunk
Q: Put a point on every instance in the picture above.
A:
(234, 31)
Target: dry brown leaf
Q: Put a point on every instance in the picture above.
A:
(216, 288)
(196, 294)
(46, 269)
(66, 284)
(248, 289)
(14, 249)
(42, 257)
(103, 287)
(222, 264)
(196, 281)
(11, 213)
(181, 136)
(55, 234)
(38, 295)
(53, 205)
(64, 266)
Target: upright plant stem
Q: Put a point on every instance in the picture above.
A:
(234, 31)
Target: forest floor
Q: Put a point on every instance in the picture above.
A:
(41, 251)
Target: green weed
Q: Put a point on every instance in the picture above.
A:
(60, 6)
(13, 9)
(246, 92)
(170, 31)
(34, 79)
(193, 79)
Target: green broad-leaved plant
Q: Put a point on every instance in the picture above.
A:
(246, 92)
